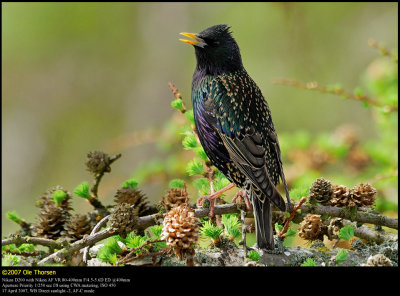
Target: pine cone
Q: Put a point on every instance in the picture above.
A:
(123, 219)
(52, 217)
(51, 221)
(133, 197)
(312, 228)
(341, 197)
(378, 260)
(174, 198)
(77, 227)
(364, 194)
(47, 198)
(98, 162)
(180, 230)
(321, 190)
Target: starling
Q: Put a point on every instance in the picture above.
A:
(234, 125)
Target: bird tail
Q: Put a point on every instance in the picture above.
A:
(263, 215)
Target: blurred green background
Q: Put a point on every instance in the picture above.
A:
(91, 76)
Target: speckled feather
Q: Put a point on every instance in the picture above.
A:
(235, 128)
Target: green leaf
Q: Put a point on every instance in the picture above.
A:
(202, 185)
(190, 116)
(201, 153)
(290, 232)
(210, 230)
(13, 216)
(26, 248)
(177, 104)
(346, 232)
(278, 228)
(341, 256)
(195, 167)
(82, 190)
(190, 141)
(298, 192)
(134, 241)
(308, 262)
(130, 183)
(156, 230)
(253, 255)
(58, 196)
(176, 183)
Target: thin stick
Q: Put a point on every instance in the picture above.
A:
(94, 230)
(281, 234)
(127, 257)
(314, 86)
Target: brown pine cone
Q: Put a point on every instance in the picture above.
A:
(364, 194)
(174, 198)
(51, 221)
(180, 230)
(357, 159)
(312, 228)
(123, 219)
(341, 197)
(98, 162)
(133, 197)
(321, 190)
(77, 227)
(52, 217)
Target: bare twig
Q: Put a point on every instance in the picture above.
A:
(383, 50)
(94, 230)
(128, 258)
(18, 240)
(98, 177)
(281, 234)
(336, 91)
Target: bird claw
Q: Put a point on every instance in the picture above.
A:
(242, 194)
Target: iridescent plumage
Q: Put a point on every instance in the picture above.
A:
(235, 127)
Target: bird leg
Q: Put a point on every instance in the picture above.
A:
(211, 198)
(242, 194)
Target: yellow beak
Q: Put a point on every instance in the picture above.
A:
(196, 42)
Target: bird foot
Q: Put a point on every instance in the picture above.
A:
(211, 198)
(238, 199)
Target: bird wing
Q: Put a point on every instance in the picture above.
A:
(230, 110)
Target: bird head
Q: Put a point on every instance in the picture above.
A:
(216, 50)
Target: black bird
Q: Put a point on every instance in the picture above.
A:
(234, 125)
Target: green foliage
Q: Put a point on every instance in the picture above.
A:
(130, 183)
(195, 167)
(290, 232)
(253, 255)
(156, 230)
(10, 260)
(13, 216)
(58, 196)
(231, 223)
(201, 153)
(190, 141)
(341, 256)
(346, 232)
(83, 190)
(134, 241)
(26, 248)
(190, 116)
(177, 104)
(298, 192)
(210, 230)
(203, 185)
(110, 250)
(308, 262)
(220, 181)
(176, 183)
(278, 227)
